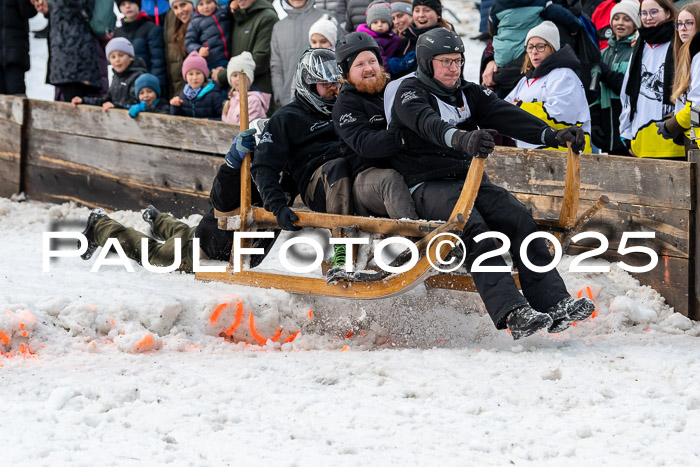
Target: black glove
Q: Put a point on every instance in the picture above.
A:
(286, 218)
(574, 135)
(477, 143)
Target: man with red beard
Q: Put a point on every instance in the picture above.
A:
(359, 119)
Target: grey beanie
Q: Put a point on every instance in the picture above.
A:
(545, 30)
(402, 7)
(379, 10)
(121, 44)
(629, 8)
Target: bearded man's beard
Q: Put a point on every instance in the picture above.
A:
(331, 92)
(373, 86)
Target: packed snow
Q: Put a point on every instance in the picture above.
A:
(122, 368)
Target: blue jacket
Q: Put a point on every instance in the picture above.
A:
(511, 20)
(210, 31)
(209, 103)
(147, 39)
(149, 7)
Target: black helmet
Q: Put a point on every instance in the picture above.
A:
(437, 41)
(350, 46)
(316, 66)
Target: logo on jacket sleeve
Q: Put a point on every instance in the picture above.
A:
(408, 96)
(319, 125)
(346, 118)
(266, 138)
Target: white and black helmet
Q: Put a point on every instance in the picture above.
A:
(437, 41)
(316, 66)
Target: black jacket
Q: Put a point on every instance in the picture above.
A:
(73, 56)
(225, 195)
(426, 155)
(359, 120)
(14, 32)
(121, 91)
(209, 103)
(299, 139)
(147, 39)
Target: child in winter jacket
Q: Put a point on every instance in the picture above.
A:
(551, 89)
(148, 91)
(323, 34)
(207, 32)
(605, 112)
(258, 102)
(379, 25)
(145, 36)
(201, 98)
(126, 69)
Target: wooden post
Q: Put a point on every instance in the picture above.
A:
(245, 166)
(694, 234)
(567, 216)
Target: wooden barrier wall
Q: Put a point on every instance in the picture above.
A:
(54, 152)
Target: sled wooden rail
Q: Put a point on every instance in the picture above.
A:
(55, 153)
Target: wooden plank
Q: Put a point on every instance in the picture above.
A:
(671, 277)
(694, 289)
(624, 179)
(167, 131)
(10, 157)
(12, 109)
(128, 163)
(60, 185)
(670, 225)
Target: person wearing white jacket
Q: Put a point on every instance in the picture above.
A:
(647, 87)
(686, 83)
(290, 37)
(551, 89)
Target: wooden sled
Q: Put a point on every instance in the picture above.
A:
(249, 218)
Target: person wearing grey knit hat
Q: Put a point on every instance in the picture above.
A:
(545, 30)
(402, 14)
(121, 44)
(379, 17)
(630, 8)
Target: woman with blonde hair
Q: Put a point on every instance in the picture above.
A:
(647, 87)
(551, 89)
(686, 83)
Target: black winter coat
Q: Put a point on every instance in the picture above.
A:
(359, 120)
(72, 47)
(354, 13)
(147, 39)
(209, 103)
(210, 31)
(299, 139)
(122, 91)
(14, 32)
(426, 156)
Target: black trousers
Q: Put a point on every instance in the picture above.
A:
(496, 209)
(12, 80)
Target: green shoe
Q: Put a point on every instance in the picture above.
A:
(337, 270)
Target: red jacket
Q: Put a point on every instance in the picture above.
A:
(601, 21)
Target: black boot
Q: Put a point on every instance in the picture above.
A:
(525, 321)
(89, 232)
(569, 310)
(149, 215)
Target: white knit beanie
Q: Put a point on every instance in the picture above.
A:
(545, 30)
(327, 27)
(244, 62)
(629, 8)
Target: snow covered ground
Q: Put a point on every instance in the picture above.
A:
(121, 368)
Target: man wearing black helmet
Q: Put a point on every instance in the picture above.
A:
(359, 119)
(445, 122)
(300, 139)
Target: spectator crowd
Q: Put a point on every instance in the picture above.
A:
(622, 70)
